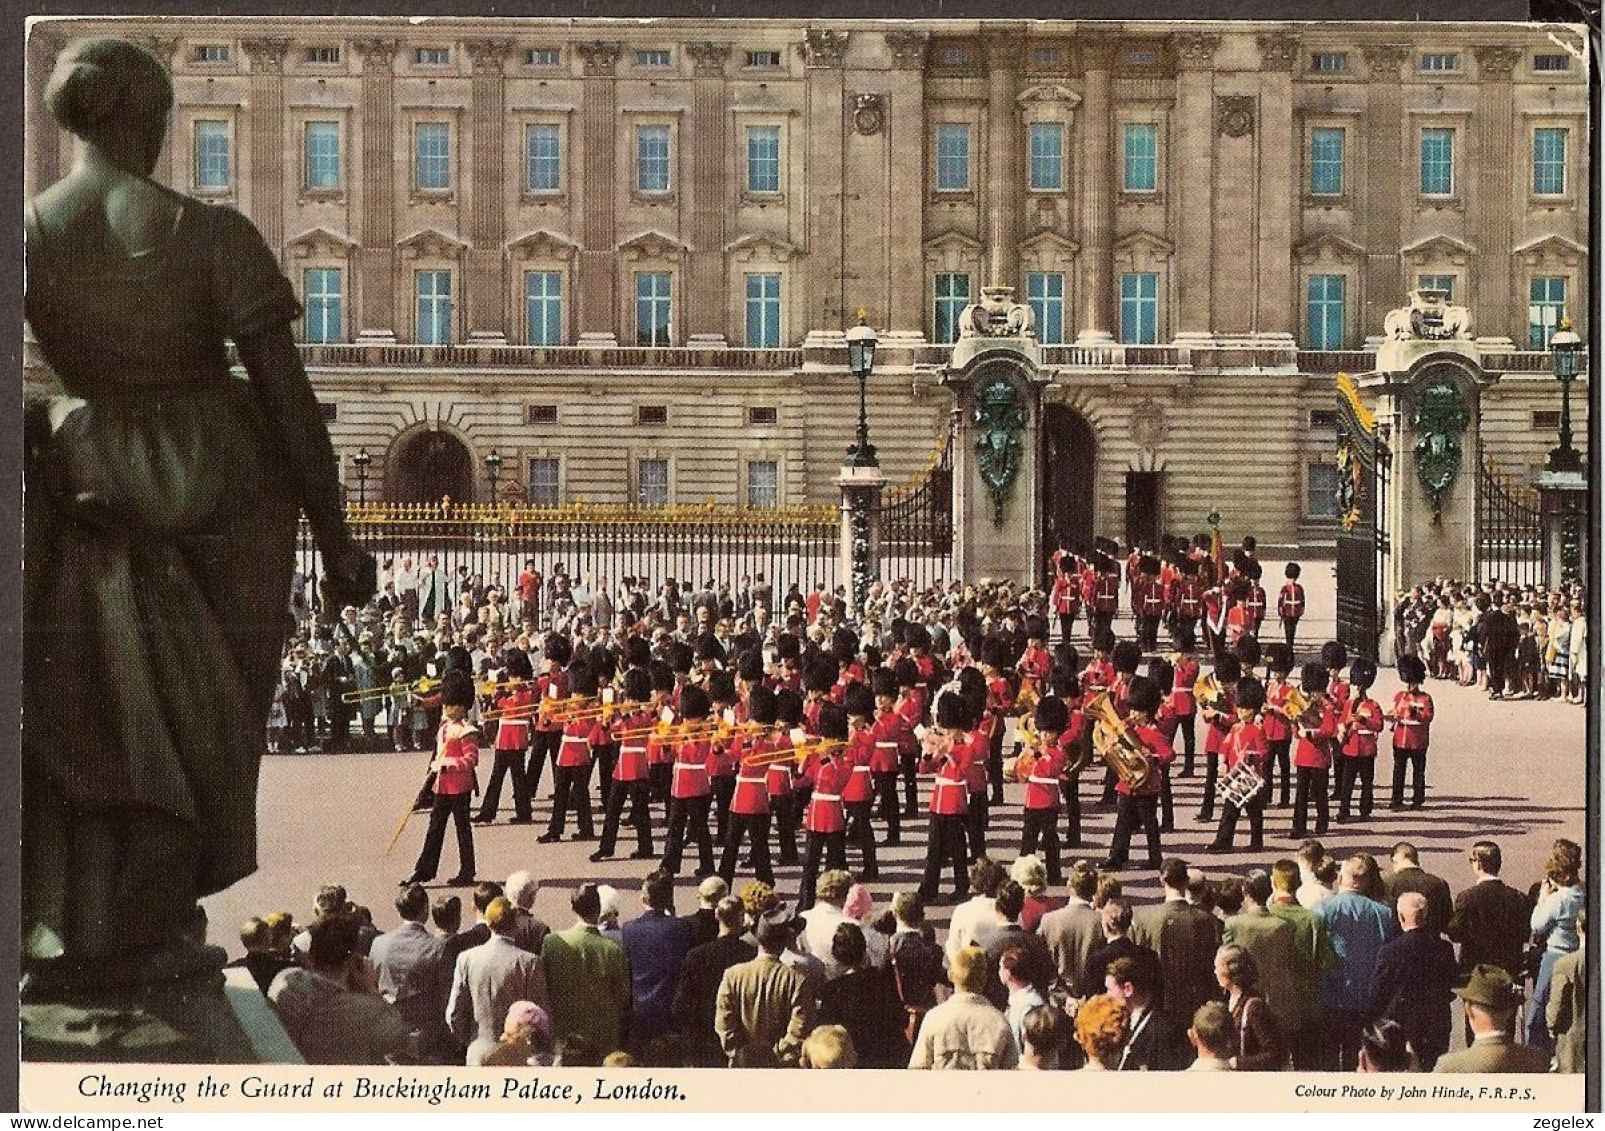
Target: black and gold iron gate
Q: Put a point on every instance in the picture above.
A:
(916, 529)
(1364, 466)
(1510, 531)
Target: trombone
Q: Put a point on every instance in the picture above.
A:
(420, 686)
(546, 709)
(797, 754)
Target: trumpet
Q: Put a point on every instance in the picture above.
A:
(1295, 703)
(659, 729)
(504, 685)
(420, 686)
(1118, 745)
(545, 709)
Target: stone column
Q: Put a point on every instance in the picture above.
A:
(905, 126)
(1274, 299)
(598, 300)
(862, 489)
(1563, 506)
(996, 395)
(1097, 197)
(376, 192)
(1193, 181)
(1488, 167)
(825, 120)
(267, 138)
(1385, 185)
(487, 214)
(1004, 184)
(707, 299)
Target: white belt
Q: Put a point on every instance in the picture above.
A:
(827, 797)
(684, 768)
(1409, 722)
(579, 738)
(751, 781)
(955, 784)
(1042, 781)
(886, 746)
(860, 769)
(632, 750)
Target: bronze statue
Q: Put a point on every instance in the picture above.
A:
(162, 495)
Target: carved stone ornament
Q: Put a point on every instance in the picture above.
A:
(488, 55)
(1350, 482)
(1439, 418)
(709, 58)
(997, 315)
(1234, 114)
(1278, 50)
(1385, 58)
(1429, 317)
(1497, 62)
(600, 56)
(1148, 424)
(908, 49)
(822, 48)
(869, 113)
(1000, 418)
(1195, 50)
(266, 54)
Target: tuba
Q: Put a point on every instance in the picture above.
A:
(1209, 693)
(1118, 744)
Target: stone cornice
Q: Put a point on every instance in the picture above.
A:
(1278, 50)
(601, 56)
(266, 54)
(1195, 50)
(824, 48)
(488, 55)
(1497, 61)
(908, 49)
(1384, 59)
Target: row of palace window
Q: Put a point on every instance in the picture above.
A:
(654, 160)
(1326, 307)
(651, 487)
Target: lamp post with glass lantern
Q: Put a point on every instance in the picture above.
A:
(361, 461)
(1563, 482)
(1565, 350)
(861, 361)
(493, 467)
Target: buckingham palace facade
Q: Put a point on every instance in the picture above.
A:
(622, 256)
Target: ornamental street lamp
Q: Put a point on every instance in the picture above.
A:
(361, 461)
(493, 465)
(861, 361)
(1565, 349)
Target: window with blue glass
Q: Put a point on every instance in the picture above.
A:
(1326, 161)
(652, 158)
(1139, 308)
(543, 307)
(1444, 283)
(1325, 312)
(1546, 304)
(1140, 172)
(213, 170)
(763, 311)
(952, 296)
(543, 157)
(432, 156)
(763, 158)
(434, 308)
(1437, 162)
(763, 483)
(1045, 293)
(323, 155)
(544, 482)
(952, 157)
(652, 483)
(1047, 156)
(1549, 161)
(323, 293)
(652, 309)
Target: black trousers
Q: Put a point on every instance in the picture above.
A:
(724, 788)
(861, 835)
(1350, 771)
(1148, 633)
(1206, 810)
(753, 827)
(1136, 812)
(1042, 829)
(1290, 633)
(1179, 623)
(1110, 780)
(455, 808)
(1072, 812)
(1101, 622)
(1187, 727)
(1067, 624)
(508, 763)
(1227, 833)
(1343, 1029)
(659, 775)
(887, 807)
(1311, 786)
(606, 758)
(1499, 661)
(945, 843)
(688, 821)
(1279, 763)
(908, 765)
(994, 762)
(1167, 802)
(1416, 761)
(572, 789)
(783, 811)
(829, 848)
(639, 795)
(339, 726)
(978, 818)
(543, 748)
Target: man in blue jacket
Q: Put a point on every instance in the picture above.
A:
(1358, 927)
(657, 943)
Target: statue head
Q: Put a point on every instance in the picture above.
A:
(116, 96)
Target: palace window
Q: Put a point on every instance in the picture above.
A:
(763, 159)
(543, 306)
(656, 57)
(543, 157)
(1326, 160)
(1329, 62)
(763, 414)
(763, 483)
(323, 155)
(1141, 152)
(1437, 162)
(651, 414)
(652, 158)
(1320, 490)
(432, 56)
(952, 157)
(652, 482)
(1139, 308)
(541, 414)
(212, 53)
(323, 55)
(322, 287)
(213, 171)
(1546, 304)
(1444, 283)
(763, 58)
(433, 290)
(1045, 293)
(1324, 316)
(763, 311)
(431, 168)
(1552, 63)
(544, 489)
(1047, 156)
(1440, 62)
(653, 311)
(1549, 161)
(543, 56)
(952, 296)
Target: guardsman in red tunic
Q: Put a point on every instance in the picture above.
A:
(691, 788)
(1357, 740)
(454, 767)
(825, 820)
(1411, 717)
(1239, 618)
(721, 688)
(1214, 605)
(893, 734)
(1148, 602)
(1073, 741)
(1244, 743)
(572, 774)
(1035, 663)
(512, 741)
(659, 750)
(1255, 601)
(1105, 593)
(1139, 808)
(817, 682)
(946, 752)
(787, 675)
(1167, 722)
(1040, 766)
(1099, 674)
(631, 774)
(1315, 734)
(1066, 595)
(913, 707)
(551, 686)
(1183, 705)
(782, 780)
(1334, 658)
(858, 796)
(1219, 718)
(1125, 658)
(1276, 724)
(1290, 605)
(749, 806)
(999, 705)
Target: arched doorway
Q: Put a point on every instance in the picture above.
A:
(1069, 451)
(427, 466)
